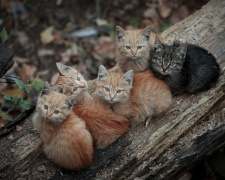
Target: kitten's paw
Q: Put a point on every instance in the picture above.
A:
(147, 121)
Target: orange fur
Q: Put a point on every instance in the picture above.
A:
(104, 125)
(124, 58)
(132, 49)
(67, 142)
(146, 97)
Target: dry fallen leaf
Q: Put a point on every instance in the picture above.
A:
(18, 128)
(3, 85)
(66, 55)
(21, 60)
(3, 122)
(12, 92)
(165, 8)
(179, 14)
(150, 13)
(106, 47)
(45, 52)
(23, 39)
(26, 72)
(47, 35)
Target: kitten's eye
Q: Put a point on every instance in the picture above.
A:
(139, 47)
(45, 106)
(118, 91)
(78, 78)
(74, 89)
(172, 63)
(128, 47)
(56, 111)
(159, 61)
(107, 89)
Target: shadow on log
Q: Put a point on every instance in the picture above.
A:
(172, 144)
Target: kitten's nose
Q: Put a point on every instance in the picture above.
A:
(164, 67)
(47, 116)
(133, 54)
(111, 97)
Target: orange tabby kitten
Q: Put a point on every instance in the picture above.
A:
(135, 96)
(132, 49)
(104, 125)
(74, 83)
(67, 142)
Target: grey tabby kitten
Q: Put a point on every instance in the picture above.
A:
(185, 68)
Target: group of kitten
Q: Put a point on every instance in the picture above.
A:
(74, 116)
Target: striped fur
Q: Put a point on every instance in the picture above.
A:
(146, 97)
(67, 142)
(132, 49)
(105, 125)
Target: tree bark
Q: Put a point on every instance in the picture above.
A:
(172, 144)
(6, 59)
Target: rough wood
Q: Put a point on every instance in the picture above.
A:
(6, 59)
(191, 129)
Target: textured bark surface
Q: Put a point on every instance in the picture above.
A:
(190, 130)
(6, 59)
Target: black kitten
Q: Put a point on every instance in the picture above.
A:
(185, 68)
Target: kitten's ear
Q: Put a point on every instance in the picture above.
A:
(46, 90)
(70, 101)
(64, 70)
(158, 46)
(102, 73)
(146, 33)
(58, 88)
(120, 33)
(181, 51)
(128, 77)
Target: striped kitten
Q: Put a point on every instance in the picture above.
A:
(132, 49)
(104, 125)
(184, 67)
(137, 96)
(67, 142)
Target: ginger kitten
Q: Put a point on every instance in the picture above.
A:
(132, 49)
(67, 142)
(105, 125)
(73, 82)
(137, 96)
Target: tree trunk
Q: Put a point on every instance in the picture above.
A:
(6, 59)
(172, 144)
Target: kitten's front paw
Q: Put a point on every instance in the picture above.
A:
(147, 121)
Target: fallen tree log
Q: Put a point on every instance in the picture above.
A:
(172, 144)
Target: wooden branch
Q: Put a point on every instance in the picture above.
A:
(11, 126)
(6, 59)
(191, 129)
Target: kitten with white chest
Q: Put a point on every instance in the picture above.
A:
(67, 142)
(185, 68)
(137, 96)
